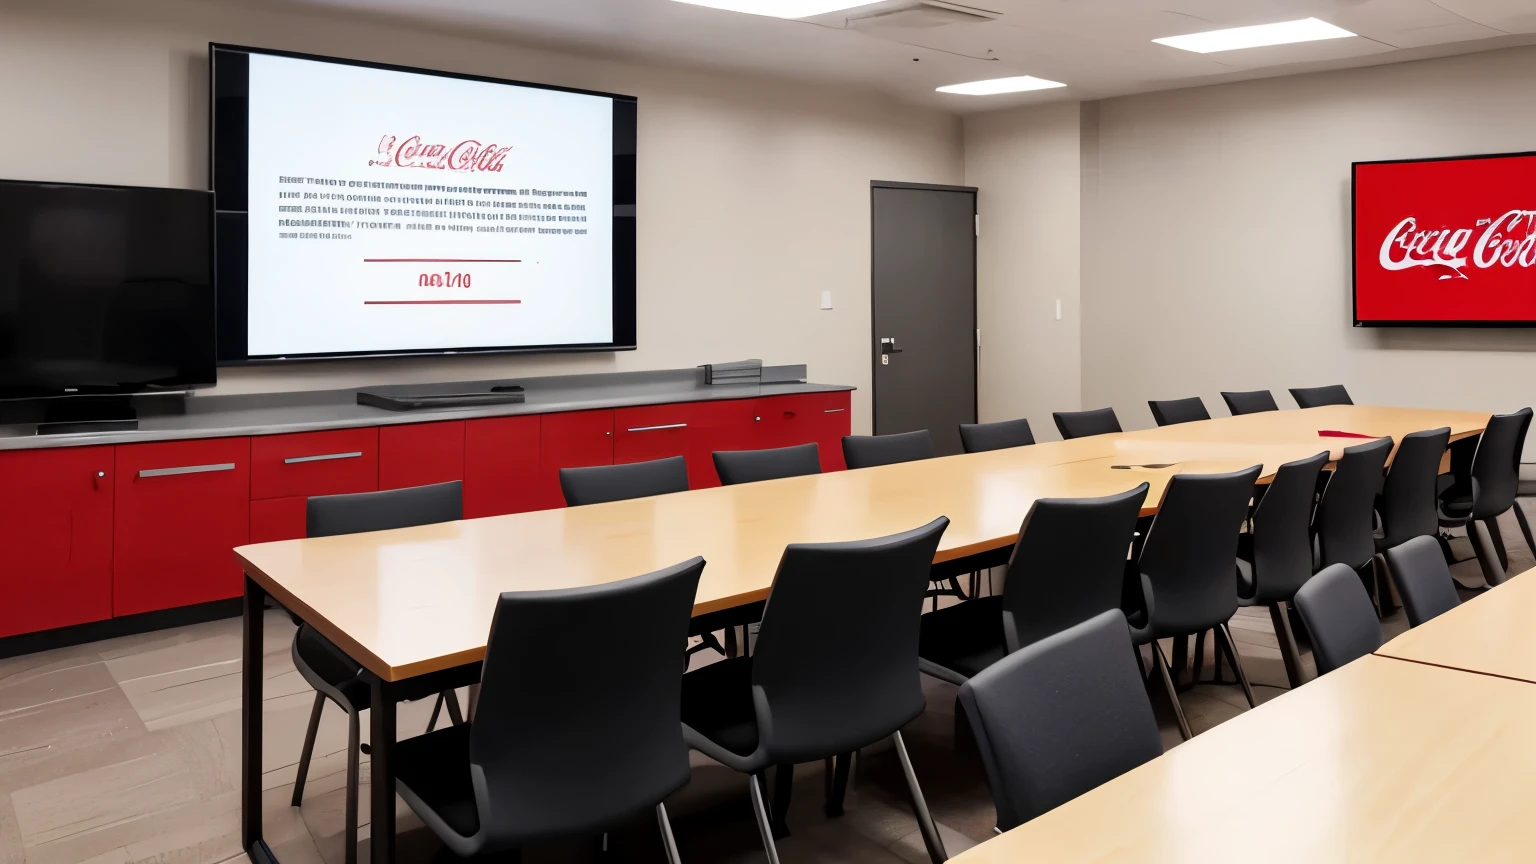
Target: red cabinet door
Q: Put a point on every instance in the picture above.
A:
(279, 519)
(501, 466)
(574, 439)
(56, 533)
(315, 463)
(655, 432)
(729, 424)
(831, 418)
(420, 454)
(181, 506)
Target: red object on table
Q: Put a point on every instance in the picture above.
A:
(1334, 433)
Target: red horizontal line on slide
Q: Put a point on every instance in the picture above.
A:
(440, 302)
(442, 261)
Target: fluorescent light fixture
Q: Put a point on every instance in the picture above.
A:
(782, 8)
(993, 86)
(1257, 36)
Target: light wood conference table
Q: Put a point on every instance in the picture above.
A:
(419, 600)
(1490, 634)
(1379, 761)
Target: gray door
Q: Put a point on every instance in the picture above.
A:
(924, 309)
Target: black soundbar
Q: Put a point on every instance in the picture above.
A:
(509, 394)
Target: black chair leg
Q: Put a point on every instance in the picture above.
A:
(783, 787)
(930, 831)
(837, 789)
(1497, 535)
(1197, 666)
(1525, 527)
(309, 748)
(764, 826)
(354, 738)
(1161, 663)
(1444, 540)
(730, 642)
(451, 699)
(1225, 642)
(437, 708)
(1279, 616)
(668, 842)
(1481, 543)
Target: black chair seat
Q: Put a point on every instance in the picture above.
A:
(332, 666)
(1456, 502)
(959, 641)
(718, 716)
(434, 768)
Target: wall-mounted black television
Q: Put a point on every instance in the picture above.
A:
(104, 290)
(374, 210)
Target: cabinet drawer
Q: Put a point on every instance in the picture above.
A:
(420, 454)
(315, 463)
(278, 519)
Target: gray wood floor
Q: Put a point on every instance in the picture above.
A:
(127, 751)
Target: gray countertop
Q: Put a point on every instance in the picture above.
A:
(308, 411)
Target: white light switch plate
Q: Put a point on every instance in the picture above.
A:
(826, 299)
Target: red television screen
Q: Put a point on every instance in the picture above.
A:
(1446, 242)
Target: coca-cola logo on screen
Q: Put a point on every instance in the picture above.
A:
(1508, 241)
(468, 155)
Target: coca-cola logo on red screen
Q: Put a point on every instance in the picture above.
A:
(468, 155)
(1506, 241)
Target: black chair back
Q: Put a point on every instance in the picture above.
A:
(1338, 616)
(1095, 725)
(1068, 564)
(600, 484)
(980, 437)
(1345, 522)
(330, 515)
(1081, 424)
(1316, 397)
(1282, 531)
(1249, 402)
(1423, 579)
(857, 681)
(751, 466)
(1190, 552)
(868, 451)
(1408, 505)
(1170, 411)
(579, 720)
(1496, 465)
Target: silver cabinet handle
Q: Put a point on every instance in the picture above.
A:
(656, 428)
(325, 457)
(833, 410)
(186, 469)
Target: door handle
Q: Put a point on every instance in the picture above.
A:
(657, 428)
(186, 469)
(888, 345)
(325, 457)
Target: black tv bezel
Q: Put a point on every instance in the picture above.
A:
(232, 300)
(1354, 260)
(137, 389)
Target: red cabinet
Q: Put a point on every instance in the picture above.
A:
(279, 519)
(501, 466)
(658, 432)
(420, 454)
(729, 424)
(56, 533)
(315, 463)
(180, 507)
(574, 439)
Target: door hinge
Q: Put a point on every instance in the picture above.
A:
(978, 224)
(978, 337)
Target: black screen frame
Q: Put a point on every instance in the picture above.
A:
(228, 178)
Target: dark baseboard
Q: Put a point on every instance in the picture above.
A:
(128, 625)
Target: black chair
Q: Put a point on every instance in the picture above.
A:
(1171, 411)
(1275, 557)
(577, 726)
(327, 668)
(1081, 424)
(1479, 494)
(1423, 578)
(1345, 522)
(1095, 725)
(601, 484)
(980, 437)
(752, 466)
(1338, 616)
(798, 699)
(1249, 402)
(1317, 397)
(1407, 505)
(869, 451)
(1068, 565)
(1186, 569)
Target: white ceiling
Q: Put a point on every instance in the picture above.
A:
(1099, 48)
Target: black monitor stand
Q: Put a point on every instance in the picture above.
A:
(79, 414)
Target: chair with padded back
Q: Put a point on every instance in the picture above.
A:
(1423, 579)
(1096, 724)
(753, 466)
(1171, 411)
(1317, 397)
(1479, 494)
(1081, 424)
(1186, 569)
(981, 437)
(1338, 616)
(328, 669)
(577, 726)
(601, 484)
(1068, 565)
(1345, 521)
(1249, 402)
(800, 699)
(869, 451)
(1275, 557)
(1407, 506)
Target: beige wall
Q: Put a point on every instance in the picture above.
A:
(753, 195)
(1026, 165)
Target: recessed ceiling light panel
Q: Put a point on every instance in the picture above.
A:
(1257, 36)
(782, 8)
(993, 86)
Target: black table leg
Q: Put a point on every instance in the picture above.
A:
(250, 726)
(381, 747)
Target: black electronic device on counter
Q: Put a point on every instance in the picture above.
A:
(393, 399)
